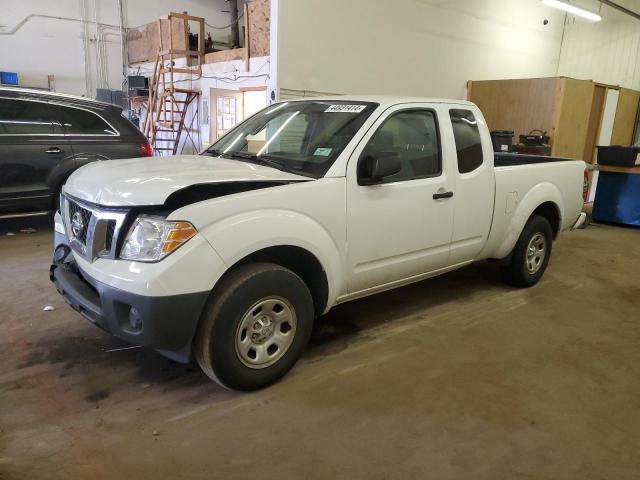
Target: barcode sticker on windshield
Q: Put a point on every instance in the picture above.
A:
(345, 108)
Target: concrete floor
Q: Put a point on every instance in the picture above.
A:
(455, 377)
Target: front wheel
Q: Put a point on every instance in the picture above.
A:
(56, 199)
(255, 326)
(531, 254)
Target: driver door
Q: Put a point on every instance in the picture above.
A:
(399, 227)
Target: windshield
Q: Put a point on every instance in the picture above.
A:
(300, 137)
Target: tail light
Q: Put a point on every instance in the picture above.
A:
(585, 185)
(146, 149)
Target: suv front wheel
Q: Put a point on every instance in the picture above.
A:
(255, 326)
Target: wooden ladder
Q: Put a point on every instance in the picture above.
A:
(168, 114)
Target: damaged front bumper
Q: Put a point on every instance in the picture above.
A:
(165, 323)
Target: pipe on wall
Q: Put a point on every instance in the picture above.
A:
(31, 16)
(122, 16)
(88, 81)
(99, 41)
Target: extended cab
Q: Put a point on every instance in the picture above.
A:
(228, 256)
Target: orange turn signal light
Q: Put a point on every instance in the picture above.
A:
(180, 233)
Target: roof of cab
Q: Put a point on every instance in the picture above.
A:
(65, 97)
(384, 100)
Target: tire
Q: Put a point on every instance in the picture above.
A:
(527, 265)
(56, 199)
(254, 327)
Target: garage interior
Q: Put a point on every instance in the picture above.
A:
(451, 377)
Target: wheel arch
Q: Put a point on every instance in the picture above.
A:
(301, 262)
(551, 212)
(545, 200)
(287, 238)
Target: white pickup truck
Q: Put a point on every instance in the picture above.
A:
(230, 255)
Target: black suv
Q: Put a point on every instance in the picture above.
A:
(45, 136)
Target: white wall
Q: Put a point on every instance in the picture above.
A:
(413, 47)
(49, 46)
(43, 47)
(607, 51)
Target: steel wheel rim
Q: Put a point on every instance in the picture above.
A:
(536, 253)
(265, 332)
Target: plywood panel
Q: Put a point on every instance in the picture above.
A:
(225, 55)
(573, 118)
(625, 117)
(520, 105)
(143, 43)
(259, 27)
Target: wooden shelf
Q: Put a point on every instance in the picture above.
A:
(611, 168)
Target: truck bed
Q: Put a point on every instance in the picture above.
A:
(513, 159)
(522, 183)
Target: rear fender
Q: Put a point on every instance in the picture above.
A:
(61, 172)
(541, 193)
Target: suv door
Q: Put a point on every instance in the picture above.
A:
(32, 150)
(92, 137)
(399, 226)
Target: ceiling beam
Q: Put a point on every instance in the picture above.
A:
(621, 8)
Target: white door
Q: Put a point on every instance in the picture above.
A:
(396, 228)
(608, 117)
(474, 185)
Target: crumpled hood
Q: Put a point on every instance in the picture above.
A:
(149, 181)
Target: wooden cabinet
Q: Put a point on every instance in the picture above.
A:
(570, 111)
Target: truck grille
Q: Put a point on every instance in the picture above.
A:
(111, 230)
(80, 219)
(92, 231)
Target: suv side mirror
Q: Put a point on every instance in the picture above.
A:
(375, 168)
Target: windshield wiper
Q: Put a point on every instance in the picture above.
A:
(213, 152)
(263, 160)
(257, 159)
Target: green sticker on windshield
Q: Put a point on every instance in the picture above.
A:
(323, 152)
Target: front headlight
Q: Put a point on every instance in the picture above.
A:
(152, 238)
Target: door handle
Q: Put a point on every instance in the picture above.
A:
(53, 150)
(442, 195)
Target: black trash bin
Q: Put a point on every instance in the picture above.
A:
(502, 140)
(619, 156)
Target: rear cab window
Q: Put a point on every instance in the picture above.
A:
(467, 139)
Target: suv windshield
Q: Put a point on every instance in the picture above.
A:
(300, 137)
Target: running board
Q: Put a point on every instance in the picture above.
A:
(23, 215)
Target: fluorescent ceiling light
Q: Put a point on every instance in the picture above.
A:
(567, 7)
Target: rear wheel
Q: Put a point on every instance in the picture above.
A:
(255, 327)
(531, 254)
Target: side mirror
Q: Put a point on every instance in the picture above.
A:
(379, 166)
